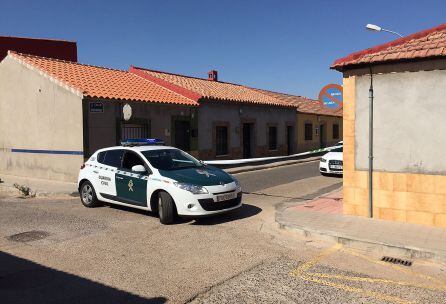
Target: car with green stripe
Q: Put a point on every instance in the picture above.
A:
(150, 176)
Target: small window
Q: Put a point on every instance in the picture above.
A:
(114, 158)
(335, 131)
(308, 131)
(101, 156)
(272, 138)
(221, 140)
(131, 159)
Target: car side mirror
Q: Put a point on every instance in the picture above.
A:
(139, 169)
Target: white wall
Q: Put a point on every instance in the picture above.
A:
(38, 114)
(409, 122)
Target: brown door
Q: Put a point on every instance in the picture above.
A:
(182, 135)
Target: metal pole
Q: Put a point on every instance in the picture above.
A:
(371, 145)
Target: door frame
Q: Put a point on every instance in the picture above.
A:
(175, 118)
(253, 122)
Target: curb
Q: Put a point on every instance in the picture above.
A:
(363, 244)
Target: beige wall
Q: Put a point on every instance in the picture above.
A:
(405, 197)
(38, 114)
(317, 120)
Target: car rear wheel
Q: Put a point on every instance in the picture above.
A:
(88, 195)
(166, 208)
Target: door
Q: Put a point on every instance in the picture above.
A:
(110, 161)
(131, 187)
(247, 134)
(289, 139)
(182, 134)
(323, 136)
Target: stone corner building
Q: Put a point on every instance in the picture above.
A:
(409, 80)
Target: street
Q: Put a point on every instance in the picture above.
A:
(111, 254)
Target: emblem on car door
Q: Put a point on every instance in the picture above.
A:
(130, 184)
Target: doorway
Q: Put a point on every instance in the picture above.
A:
(289, 139)
(323, 136)
(247, 140)
(182, 134)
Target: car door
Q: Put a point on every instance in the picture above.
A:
(108, 164)
(131, 187)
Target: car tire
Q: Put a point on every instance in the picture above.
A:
(166, 208)
(88, 195)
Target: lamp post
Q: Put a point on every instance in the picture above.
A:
(376, 28)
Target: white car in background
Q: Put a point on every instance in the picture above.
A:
(331, 163)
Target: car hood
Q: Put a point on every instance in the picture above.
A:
(333, 156)
(205, 176)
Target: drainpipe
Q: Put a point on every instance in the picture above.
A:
(371, 145)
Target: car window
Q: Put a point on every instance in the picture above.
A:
(170, 159)
(337, 150)
(101, 156)
(113, 158)
(131, 159)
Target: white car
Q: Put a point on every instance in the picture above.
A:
(146, 175)
(331, 163)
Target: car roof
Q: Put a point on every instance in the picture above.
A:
(138, 148)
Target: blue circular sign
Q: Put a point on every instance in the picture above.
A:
(331, 96)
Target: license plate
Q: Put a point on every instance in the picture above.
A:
(226, 197)
(336, 167)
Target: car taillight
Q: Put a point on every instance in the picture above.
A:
(83, 166)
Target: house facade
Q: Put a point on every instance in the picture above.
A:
(409, 168)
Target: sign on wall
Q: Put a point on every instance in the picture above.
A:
(96, 107)
(331, 96)
(127, 111)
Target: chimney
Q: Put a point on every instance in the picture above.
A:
(213, 75)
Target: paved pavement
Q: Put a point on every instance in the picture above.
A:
(55, 250)
(322, 218)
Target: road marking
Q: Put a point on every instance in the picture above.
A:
(302, 269)
(303, 273)
(372, 280)
(369, 293)
(398, 268)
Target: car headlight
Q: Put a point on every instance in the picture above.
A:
(191, 188)
(237, 185)
(323, 160)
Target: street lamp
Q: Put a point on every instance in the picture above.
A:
(376, 28)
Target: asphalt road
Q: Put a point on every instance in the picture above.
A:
(258, 180)
(55, 250)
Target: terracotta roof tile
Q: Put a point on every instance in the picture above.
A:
(99, 82)
(216, 90)
(304, 104)
(425, 44)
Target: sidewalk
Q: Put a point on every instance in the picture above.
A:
(323, 219)
(43, 187)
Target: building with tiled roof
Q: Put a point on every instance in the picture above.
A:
(317, 126)
(408, 80)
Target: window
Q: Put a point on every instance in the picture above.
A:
(221, 140)
(335, 131)
(171, 159)
(272, 138)
(113, 158)
(131, 159)
(101, 156)
(308, 131)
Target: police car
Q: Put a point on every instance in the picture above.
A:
(145, 174)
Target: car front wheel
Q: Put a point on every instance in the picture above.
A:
(88, 195)
(166, 208)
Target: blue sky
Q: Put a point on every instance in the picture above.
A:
(284, 46)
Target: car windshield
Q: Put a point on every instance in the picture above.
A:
(337, 150)
(170, 159)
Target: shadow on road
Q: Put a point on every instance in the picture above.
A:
(245, 211)
(23, 281)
